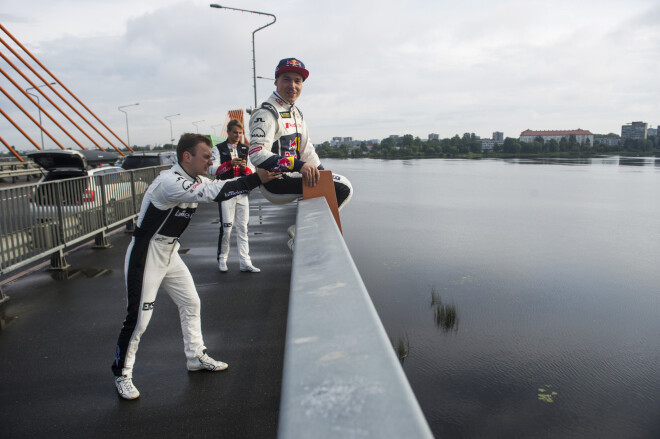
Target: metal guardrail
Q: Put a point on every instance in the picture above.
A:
(341, 376)
(40, 220)
(14, 169)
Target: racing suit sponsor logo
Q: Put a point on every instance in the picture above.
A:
(257, 132)
(253, 150)
(290, 125)
(184, 214)
(279, 101)
(193, 187)
(227, 224)
(258, 119)
(285, 114)
(234, 193)
(284, 164)
(148, 306)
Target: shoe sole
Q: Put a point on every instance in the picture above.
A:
(220, 369)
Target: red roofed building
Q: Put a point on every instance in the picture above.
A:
(581, 136)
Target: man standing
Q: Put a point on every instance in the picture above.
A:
(230, 160)
(279, 140)
(152, 258)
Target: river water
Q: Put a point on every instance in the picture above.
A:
(523, 295)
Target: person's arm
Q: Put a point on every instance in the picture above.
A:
(178, 189)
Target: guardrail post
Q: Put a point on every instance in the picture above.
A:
(3, 301)
(58, 261)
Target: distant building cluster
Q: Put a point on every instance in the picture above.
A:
(633, 130)
(489, 144)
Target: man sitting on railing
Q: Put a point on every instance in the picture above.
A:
(153, 260)
(279, 140)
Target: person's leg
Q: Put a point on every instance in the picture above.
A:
(284, 189)
(144, 271)
(343, 190)
(227, 213)
(180, 286)
(241, 219)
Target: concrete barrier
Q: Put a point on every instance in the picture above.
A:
(341, 376)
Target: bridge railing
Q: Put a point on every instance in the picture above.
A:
(41, 220)
(341, 376)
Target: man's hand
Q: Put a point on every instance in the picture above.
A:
(236, 162)
(310, 174)
(266, 176)
(242, 164)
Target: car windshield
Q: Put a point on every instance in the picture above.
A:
(140, 162)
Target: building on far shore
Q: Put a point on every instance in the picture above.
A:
(489, 144)
(581, 136)
(634, 130)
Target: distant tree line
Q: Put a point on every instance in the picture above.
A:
(468, 145)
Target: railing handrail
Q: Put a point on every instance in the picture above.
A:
(341, 376)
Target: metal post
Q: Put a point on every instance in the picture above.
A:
(167, 119)
(196, 122)
(254, 66)
(128, 138)
(39, 108)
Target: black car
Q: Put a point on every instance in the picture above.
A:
(149, 159)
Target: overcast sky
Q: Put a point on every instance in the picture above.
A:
(376, 68)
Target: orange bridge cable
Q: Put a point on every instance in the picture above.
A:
(46, 82)
(19, 128)
(27, 95)
(31, 118)
(63, 86)
(11, 149)
(48, 99)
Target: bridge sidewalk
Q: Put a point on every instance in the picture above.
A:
(59, 343)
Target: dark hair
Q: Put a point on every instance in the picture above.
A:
(234, 123)
(188, 142)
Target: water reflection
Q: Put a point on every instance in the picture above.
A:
(402, 347)
(444, 316)
(584, 161)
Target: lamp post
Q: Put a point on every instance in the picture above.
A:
(196, 122)
(254, 75)
(213, 127)
(128, 138)
(39, 108)
(167, 118)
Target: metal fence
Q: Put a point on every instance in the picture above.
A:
(40, 220)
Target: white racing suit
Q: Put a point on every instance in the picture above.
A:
(234, 212)
(152, 258)
(279, 141)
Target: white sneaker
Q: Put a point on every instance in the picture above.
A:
(206, 363)
(291, 231)
(251, 269)
(290, 243)
(126, 388)
(222, 266)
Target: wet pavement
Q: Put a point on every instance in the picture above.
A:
(59, 341)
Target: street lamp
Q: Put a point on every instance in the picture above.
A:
(128, 138)
(254, 75)
(167, 118)
(39, 108)
(196, 122)
(213, 127)
(263, 77)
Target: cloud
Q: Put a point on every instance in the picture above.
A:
(447, 67)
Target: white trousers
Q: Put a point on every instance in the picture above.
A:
(235, 213)
(164, 267)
